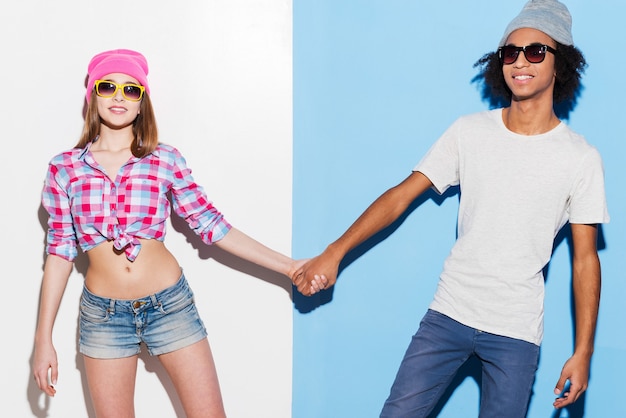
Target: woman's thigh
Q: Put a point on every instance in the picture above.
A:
(192, 371)
(112, 386)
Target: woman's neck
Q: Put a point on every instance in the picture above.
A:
(114, 139)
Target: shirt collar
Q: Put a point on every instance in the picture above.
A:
(84, 151)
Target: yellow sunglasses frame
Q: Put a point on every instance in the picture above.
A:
(119, 87)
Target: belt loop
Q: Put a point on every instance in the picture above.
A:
(157, 304)
(111, 305)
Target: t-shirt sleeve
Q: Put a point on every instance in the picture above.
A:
(441, 163)
(587, 198)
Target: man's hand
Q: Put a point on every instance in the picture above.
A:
(576, 371)
(317, 274)
(316, 284)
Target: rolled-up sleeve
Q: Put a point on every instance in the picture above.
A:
(61, 237)
(190, 202)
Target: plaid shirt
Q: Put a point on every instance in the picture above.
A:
(88, 208)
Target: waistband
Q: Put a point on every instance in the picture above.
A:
(132, 305)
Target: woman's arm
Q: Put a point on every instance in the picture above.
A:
(247, 248)
(55, 276)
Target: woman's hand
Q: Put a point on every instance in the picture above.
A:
(45, 367)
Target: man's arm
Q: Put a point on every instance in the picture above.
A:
(380, 214)
(586, 285)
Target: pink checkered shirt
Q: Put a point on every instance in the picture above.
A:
(87, 208)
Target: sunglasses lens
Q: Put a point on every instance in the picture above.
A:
(535, 53)
(132, 92)
(509, 54)
(105, 89)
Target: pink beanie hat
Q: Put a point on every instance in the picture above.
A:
(122, 61)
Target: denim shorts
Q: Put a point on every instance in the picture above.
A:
(165, 321)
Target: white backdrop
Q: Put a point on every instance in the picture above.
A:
(220, 76)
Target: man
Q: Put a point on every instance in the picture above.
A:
(523, 174)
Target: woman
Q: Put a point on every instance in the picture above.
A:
(110, 196)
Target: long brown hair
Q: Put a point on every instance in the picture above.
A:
(145, 132)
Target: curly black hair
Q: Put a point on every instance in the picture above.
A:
(570, 65)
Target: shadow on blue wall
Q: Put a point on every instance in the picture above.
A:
(306, 304)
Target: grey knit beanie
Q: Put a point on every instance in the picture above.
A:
(549, 16)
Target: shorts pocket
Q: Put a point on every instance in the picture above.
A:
(177, 302)
(92, 313)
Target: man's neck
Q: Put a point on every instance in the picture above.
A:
(529, 117)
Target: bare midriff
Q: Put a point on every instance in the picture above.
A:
(111, 275)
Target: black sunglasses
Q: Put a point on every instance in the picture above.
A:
(534, 53)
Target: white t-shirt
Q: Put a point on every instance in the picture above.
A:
(517, 192)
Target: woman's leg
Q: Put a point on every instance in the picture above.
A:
(193, 373)
(112, 386)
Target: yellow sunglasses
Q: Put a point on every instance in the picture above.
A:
(131, 92)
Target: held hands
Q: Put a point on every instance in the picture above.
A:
(576, 371)
(316, 274)
(307, 288)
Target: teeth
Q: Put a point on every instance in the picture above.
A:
(523, 77)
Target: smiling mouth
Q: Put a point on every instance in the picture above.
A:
(523, 77)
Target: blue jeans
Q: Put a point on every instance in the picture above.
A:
(440, 347)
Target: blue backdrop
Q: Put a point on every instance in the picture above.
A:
(375, 83)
